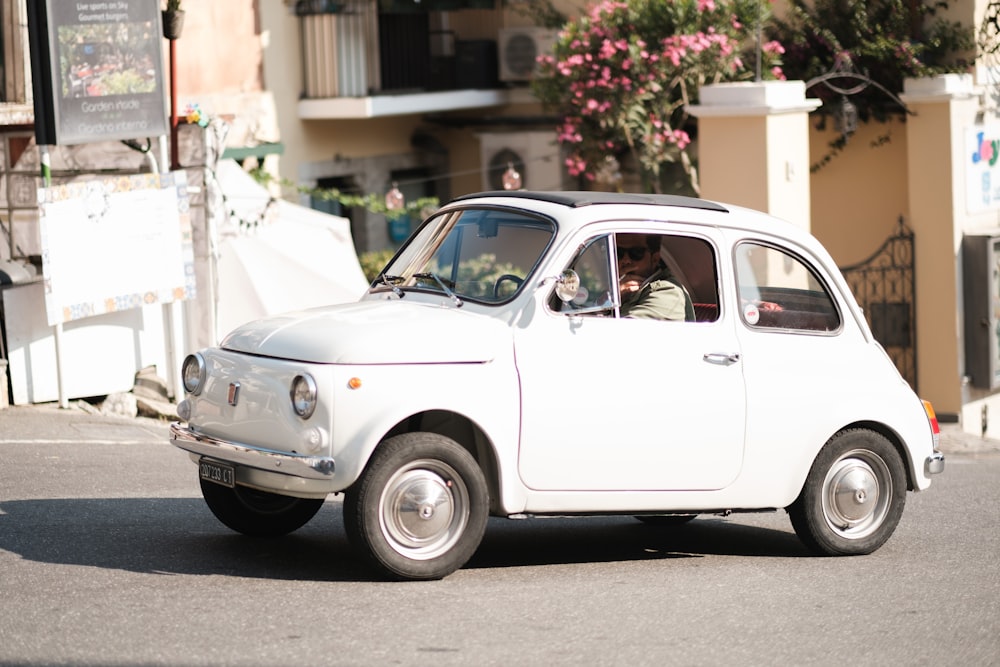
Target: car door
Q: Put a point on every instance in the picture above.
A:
(611, 403)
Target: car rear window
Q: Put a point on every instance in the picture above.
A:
(778, 290)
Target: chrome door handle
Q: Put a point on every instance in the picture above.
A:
(721, 358)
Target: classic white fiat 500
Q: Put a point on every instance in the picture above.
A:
(493, 369)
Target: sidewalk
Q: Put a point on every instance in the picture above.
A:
(956, 441)
(81, 420)
(47, 422)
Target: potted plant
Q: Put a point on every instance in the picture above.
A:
(173, 20)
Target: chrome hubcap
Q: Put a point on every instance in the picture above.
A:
(424, 509)
(855, 494)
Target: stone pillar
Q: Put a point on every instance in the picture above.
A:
(943, 107)
(753, 146)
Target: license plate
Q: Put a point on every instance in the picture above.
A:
(220, 473)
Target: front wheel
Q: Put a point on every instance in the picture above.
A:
(419, 509)
(854, 495)
(258, 513)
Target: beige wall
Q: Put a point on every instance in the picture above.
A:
(729, 179)
(937, 204)
(858, 196)
(219, 50)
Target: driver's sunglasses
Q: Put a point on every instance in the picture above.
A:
(635, 253)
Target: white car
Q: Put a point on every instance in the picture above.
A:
(488, 371)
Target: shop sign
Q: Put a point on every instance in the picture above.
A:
(100, 70)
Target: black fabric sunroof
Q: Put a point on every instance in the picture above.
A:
(577, 198)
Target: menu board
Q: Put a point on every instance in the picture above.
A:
(99, 68)
(115, 244)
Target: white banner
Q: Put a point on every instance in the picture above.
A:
(115, 244)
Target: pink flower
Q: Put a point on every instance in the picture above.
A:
(772, 47)
(681, 138)
(706, 6)
(575, 165)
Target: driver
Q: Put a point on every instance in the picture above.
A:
(648, 289)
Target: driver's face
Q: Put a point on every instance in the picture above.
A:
(634, 257)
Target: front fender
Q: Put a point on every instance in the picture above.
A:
(485, 394)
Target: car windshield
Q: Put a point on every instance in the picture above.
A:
(482, 255)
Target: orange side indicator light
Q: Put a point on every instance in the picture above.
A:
(932, 418)
(355, 383)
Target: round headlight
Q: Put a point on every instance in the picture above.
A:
(193, 373)
(303, 395)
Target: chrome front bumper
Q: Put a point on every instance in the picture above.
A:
(282, 463)
(934, 464)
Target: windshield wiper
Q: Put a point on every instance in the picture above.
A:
(451, 295)
(390, 282)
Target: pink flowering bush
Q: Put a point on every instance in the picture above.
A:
(621, 74)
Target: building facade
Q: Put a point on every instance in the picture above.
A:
(434, 97)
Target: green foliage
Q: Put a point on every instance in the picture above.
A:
(419, 208)
(621, 75)
(477, 277)
(374, 261)
(128, 82)
(885, 40)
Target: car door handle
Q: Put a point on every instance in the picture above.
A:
(721, 358)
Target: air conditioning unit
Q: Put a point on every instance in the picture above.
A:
(535, 155)
(519, 49)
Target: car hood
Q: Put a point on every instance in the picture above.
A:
(374, 332)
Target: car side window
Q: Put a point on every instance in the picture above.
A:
(687, 261)
(779, 291)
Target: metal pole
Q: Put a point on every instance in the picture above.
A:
(46, 162)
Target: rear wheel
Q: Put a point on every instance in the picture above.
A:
(258, 513)
(419, 509)
(853, 497)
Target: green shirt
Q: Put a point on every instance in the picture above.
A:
(659, 298)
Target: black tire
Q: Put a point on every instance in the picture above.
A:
(854, 495)
(665, 519)
(419, 509)
(258, 513)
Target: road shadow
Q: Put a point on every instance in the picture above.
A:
(550, 541)
(180, 536)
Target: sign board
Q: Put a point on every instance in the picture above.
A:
(115, 244)
(982, 168)
(98, 68)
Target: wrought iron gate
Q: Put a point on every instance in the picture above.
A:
(883, 285)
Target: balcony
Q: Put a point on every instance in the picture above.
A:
(376, 58)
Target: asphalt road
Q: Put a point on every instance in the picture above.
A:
(108, 556)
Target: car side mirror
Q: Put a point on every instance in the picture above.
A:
(567, 285)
